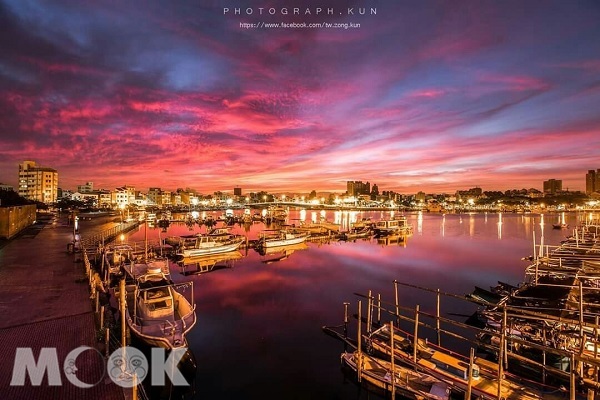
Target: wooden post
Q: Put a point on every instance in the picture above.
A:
(346, 320)
(379, 309)
(122, 306)
(397, 303)
(501, 356)
(393, 372)
(437, 320)
(107, 343)
(573, 389)
(358, 343)
(97, 300)
(416, 337)
(470, 375)
(369, 312)
(505, 341)
(581, 333)
(102, 310)
(544, 357)
(134, 394)
(596, 370)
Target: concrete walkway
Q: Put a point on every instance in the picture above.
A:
(45, 302)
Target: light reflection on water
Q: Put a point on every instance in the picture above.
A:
(259, 323)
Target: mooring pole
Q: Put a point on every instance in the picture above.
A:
(501, 356)
(393, 373)
(122, 306)
(416, 340)
(437, 320)
(379, 309)
(397, 303)
(369, 312)
(346, 320)
(470, 376)
(358, 343)
(572, 392)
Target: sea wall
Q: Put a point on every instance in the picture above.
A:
(14, 219)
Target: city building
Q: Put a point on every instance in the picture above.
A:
(88, 187)
(552, 186)
(592, 181)
(38, 183)
(356, 188)
(237, 191)
(6, 187)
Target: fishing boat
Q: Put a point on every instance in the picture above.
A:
(159, 312)
(211, 244)
(408, 383)
(450, 367)
(280, 237)
(395, 226)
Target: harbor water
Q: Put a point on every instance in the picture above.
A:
(260, 316)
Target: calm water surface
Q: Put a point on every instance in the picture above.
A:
(259, 321)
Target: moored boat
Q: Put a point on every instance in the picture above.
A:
(408, 383)
(160, 312)
(282, 237)
(398, 225)
(211, 244)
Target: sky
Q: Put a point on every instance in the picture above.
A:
(407, 94)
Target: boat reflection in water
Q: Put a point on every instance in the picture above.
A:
(280, 253)
(209, 263)
(393, 240)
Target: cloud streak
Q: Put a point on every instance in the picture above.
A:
(420, 97)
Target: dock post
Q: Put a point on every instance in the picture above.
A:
(346, 319)
(107, 343)
(122, 306)
(544, 357)
(501, 356)
(379, 309)
(358, 343)
(416, 339)
(470, 376)
(596, 370)
(573, 388)
(397, 303)
(581, 333)
(437, 320)
(134, 394)
(393, 373)
(369, 312)
(102, 316)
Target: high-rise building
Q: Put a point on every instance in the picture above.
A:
(38, 183)
(592, 181)
(237, 191)
(551, 186)
(355, 188)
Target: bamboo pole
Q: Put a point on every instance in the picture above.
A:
(573, 390)
(416, 336)
(369, 312)
(581, 333)
(359, 342)
(437, 319)
(134, 388)
(122, 307)
(501, 357)
(346, 319)
(393, 372)
(107, 343)
(378, 309)
(470, 376)
(397, 303)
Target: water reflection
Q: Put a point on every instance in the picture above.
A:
(252, 318)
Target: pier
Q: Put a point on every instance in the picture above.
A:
(45, 303)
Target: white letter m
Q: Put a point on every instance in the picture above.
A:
(25, 363)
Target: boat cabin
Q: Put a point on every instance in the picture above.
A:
(453, 365)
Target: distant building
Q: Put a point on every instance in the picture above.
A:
(473, 193)
(38, 183)
(552, 186)
(237, 191)
(8, 188)
(88, 187)
(592, 181)
(356, 188)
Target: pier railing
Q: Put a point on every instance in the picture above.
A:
(108, 235)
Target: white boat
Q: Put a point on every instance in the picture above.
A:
(398, 225)
(283, 237)
(159, 312)
(211, 244)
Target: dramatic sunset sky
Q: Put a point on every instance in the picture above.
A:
(424, 95)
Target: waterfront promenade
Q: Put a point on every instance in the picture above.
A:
(45, 302)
